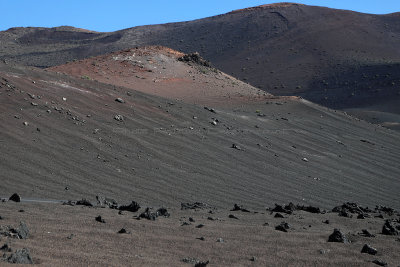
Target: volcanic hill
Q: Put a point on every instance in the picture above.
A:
(340, 59)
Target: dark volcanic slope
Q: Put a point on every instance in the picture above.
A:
(164, 151)
(337, 58)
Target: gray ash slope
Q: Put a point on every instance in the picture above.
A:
(340, 59)
(165, 152)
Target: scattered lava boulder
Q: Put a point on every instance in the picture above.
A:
(350, 207)
(389, 229)
(151, 215)
(283, 227)
(84, 202)
(15, 197)
(369, 250)
(21, 256)
(338, 236)
(133, 207)
(237, 207)
(22, 231)
(100, 219)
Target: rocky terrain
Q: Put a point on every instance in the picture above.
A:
(196, 234)
(69, 138)
(151, 156)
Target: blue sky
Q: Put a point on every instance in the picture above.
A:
(107, 15)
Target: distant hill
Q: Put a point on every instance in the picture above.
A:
(337, 58)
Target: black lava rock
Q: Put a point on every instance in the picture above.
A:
(386, 210)
(361, 216)
(163, 212)
(389, 229)
(103, 201)
(133, 207)
(21, 256)
(237, 207)
(310, 209)
(366, 233)
(280, 208)
(15, 197)
(338, 236)
(150, 215)
(123, 231)
(99, 219)
(369, 250)
(351, 208)
(6, 248)
(84, 202)
(344, 213)
(22, 231)
(380, 263)
(202, 264)
(282, 227)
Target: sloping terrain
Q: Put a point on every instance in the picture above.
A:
(340, 59)
(211, 142)
(164, 72)
(65, 138)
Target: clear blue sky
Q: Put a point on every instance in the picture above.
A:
(111, 15)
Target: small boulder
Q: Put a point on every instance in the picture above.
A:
(202, 264)
(278, 215)
(369, 250)
(119, 100)
(21, 256)
(366, 233)
(118, 117)
(123, 231)
(100, 219)
(283, 227)
(6, 248)
(84, 202)
(237, 207)
(21, 232)
(338, 236)
(389, 229)
(103, 201)
(150, 215)
(380, 263)
(15, 197)
(133, 207)
(163, 212)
